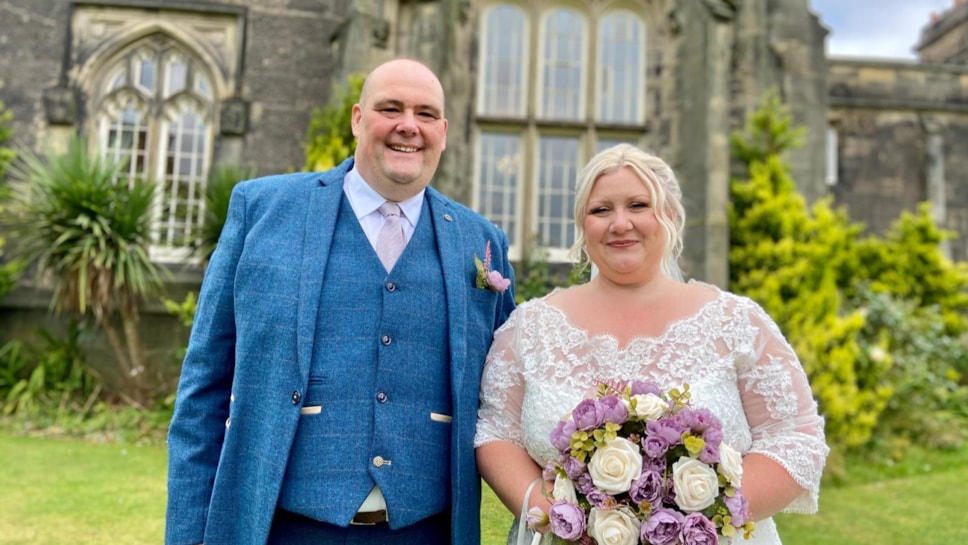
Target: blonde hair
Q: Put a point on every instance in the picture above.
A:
(663, 189)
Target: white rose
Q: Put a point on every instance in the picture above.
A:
(695, 483)
(614, 466)
(650, 406)
(730, 464)
(613, 527)
(564, 490)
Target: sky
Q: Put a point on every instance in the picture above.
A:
(876, 28)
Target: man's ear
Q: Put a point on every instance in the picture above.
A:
(357, 116)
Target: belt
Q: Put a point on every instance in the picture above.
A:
(369, 518)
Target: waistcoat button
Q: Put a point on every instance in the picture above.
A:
(385, 339)
(391, 286)
(381, 397)
(296, 397)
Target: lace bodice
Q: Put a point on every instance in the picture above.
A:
(733, 356)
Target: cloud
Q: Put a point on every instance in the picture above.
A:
(876, 28)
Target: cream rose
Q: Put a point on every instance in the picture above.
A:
(730, 464)
(695, 484)
(564, 490)
(613, 527)
(650, 406)
(614, 466)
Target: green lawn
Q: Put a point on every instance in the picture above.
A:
(57, 491)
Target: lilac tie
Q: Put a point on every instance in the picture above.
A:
(391, 241)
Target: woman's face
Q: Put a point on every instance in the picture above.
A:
(623, 237)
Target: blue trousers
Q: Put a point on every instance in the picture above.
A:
(292, 529)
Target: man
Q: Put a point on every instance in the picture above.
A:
(329, 395)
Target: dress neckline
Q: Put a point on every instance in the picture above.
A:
(612, 339)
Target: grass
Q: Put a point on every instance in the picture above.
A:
(57, 491)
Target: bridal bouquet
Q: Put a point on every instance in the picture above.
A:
(641, 466)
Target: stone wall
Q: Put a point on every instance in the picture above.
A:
(903, 139)
(945, 40)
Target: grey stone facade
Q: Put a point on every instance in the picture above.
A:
(902, 128)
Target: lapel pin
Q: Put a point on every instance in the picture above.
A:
(448, 218)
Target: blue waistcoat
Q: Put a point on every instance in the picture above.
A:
(377, 408)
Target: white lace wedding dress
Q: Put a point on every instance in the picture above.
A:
(730, 352)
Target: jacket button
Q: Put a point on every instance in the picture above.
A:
(296, 397)
(391, 286)
(381, 397)
(385, 340)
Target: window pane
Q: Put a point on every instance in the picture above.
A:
(184, 179)
(125, 138)
(177, 75)
(146, 74)
(503, 62)
(558, 164)
(498, 172)
(562, 65)
(604, 143)
(202, 86)
(621, 69)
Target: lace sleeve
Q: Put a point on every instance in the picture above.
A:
(781, 410)
(502, 385)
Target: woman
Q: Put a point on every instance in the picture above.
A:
(636, 320)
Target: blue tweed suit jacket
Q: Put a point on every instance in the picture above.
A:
(249, 354)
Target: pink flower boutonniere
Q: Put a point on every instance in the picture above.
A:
(486, 278)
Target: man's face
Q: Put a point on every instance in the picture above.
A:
(400, 129)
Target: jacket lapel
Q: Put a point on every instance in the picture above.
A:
(321, 214)
(446, 224)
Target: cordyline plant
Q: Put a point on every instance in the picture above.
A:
(85, 226)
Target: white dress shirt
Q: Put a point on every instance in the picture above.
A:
(366, 203)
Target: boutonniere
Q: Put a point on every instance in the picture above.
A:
(486, 278)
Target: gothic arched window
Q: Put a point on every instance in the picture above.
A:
(154, 110)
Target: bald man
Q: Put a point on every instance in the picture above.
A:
(330, 389)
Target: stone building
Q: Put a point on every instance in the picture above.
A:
(534, 88)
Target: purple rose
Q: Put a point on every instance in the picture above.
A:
(561, 435)
(709, 454)
(584, 484)
(594, 495)
(588, 415)
(641, 387)
(658, 465)
(567, 520)
(667, 428)
(697, 419)
(698, 530)
(574, 468)
(739, 508)
(613, 409)
(662, 527)
(648, 487)
(655, 446)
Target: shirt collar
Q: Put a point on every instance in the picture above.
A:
(365, 200)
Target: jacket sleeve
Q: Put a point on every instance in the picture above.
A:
(202, 403)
